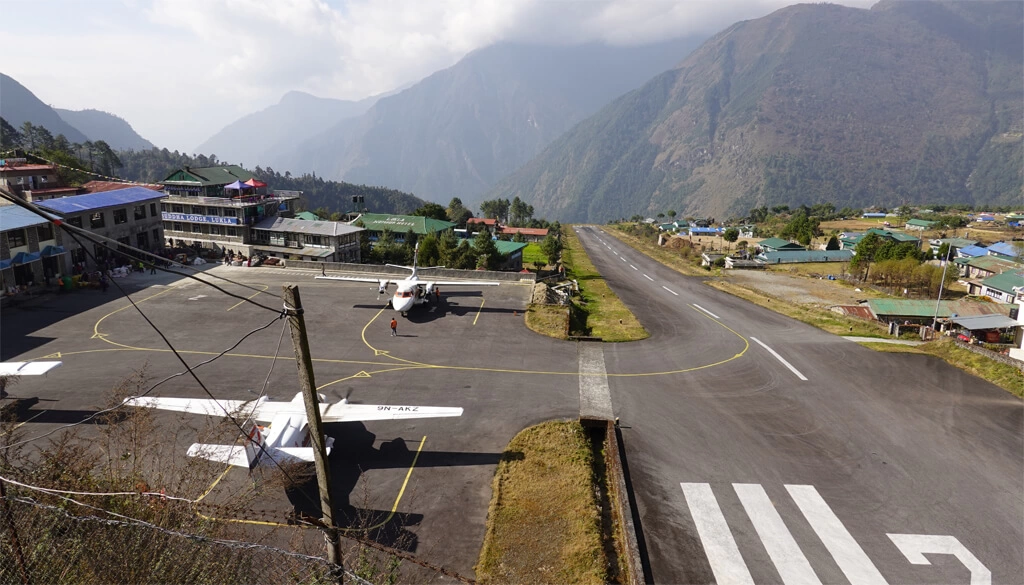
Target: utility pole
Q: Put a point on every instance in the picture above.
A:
(293, 306)
(945, 265)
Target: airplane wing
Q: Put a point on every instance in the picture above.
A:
(356, 279)
(26, 368)
(461, 282)
(193, 405)
(341, 412)
(230, 454)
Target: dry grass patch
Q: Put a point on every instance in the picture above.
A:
(668, 257)
(606, 316)
(544, 522)
(549, 320)
(1003, 375)
(820, 318)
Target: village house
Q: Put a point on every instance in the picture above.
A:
(299, 239)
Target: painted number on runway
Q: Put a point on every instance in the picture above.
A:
(728, 565)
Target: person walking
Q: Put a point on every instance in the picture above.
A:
(394, 327)
(103, 282)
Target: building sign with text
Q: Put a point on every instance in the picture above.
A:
(199, 218)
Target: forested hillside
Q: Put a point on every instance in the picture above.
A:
(910, 102)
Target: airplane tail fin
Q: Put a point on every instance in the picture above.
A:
(255, 442)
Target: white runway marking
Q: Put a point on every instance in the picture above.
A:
(633, 267)
(850, 557)
(781, 359)
(197, 297)
(914, 547)
(670, 290)
(623, 258)
(706, 311)
(778, 541)
(719, 545)
(649, 278)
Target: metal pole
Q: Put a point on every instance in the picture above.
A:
(945, 265)
(293, 305)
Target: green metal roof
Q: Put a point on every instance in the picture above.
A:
(919, 308)
(210, 176)
(921, 223)
(958, 242)
(400, 224)
(992, 263)
(1006, 281)
(780, 244)
(801, 256)
(504, 247)
(308, 216)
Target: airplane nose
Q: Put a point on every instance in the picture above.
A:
(402, 305)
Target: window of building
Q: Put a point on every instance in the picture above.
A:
(45, 232)
(152, 209)
(142, 240)
(232, 231)
(75, 221)
(156, 236)
(213, 211)
(127, 241)
(78, 255)
(96, 220)
(177, 226)
(140, 212)
(16, 238)
(177, 208)
(197, 228)
(120, 216)
(216, 230)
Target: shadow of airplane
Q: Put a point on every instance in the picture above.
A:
(20, 410)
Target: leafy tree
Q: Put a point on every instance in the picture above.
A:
(10, 138)
(487, 251)
(518, 237)
(432, 210)
(519, 212)
(552, 248)
(446, 248)
(496, 209)
(833, 243)
(430, 253)
(458, 213)
(671, 213)
(731, 235)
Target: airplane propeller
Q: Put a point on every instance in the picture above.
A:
(336, 396)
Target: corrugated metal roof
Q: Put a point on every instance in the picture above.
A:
(94, 201)
(503, 246)
(800, 256)
(210, 176)
(862, 311)
(13, 217)
(304, 226)
(978, 322)
(1006, 281)
(1003, 248)
(921, 223)
(401, 224)
(101, 186)
(992, 263)
(973, 251)
(307, 216)
(921, 308)
(779, 243)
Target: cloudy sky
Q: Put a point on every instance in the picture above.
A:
(180, 70)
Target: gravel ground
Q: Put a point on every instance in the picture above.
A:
(797, 289)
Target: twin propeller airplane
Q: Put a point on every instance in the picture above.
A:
(286, 439)
(410, 291)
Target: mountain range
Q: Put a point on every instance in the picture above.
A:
(909, 102)
(268, 136)
(19, 105)
(460, 130)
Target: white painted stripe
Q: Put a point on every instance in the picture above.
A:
(670, 290)
(850, 557)
(719, 545)
(781, 359)
(595, 396)
(706, 311)
(649, 278)
(633, 267)
(623, 258)
(778, 541)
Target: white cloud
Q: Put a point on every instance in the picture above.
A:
(179, 70)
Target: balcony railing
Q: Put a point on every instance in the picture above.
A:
(230, 201)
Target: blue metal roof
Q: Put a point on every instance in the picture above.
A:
(974, 251)
(94, 201)
(1004, 248)
(13, 217)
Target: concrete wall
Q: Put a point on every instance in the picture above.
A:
(425, 273)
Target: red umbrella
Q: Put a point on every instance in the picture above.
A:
(255, 183)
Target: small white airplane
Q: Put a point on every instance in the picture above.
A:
(286, 439)
(411, 290)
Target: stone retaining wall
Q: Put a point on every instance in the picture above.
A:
(992, 355)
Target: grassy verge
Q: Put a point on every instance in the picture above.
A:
(669, 258)
(544, 523)
(820, 318)
(605, 315)
(533, 254)
(550, 320)
(1005, 376)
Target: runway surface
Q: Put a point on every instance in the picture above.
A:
(799, 456)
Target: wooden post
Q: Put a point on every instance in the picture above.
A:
(293, 306)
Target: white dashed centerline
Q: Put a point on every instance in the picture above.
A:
(706, 311)
(781, 359)
(649, 278)
(670, 290)
(633, 267)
